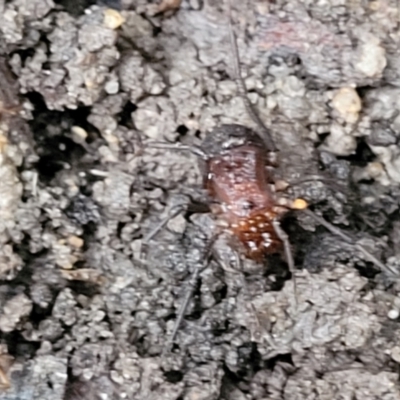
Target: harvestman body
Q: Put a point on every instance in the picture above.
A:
(234, 160)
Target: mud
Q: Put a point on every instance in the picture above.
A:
(84, 87)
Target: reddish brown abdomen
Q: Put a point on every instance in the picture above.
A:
(238, 181)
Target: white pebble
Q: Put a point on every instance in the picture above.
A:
(347, 103)
(113, 19)
(372, 57)
(395, 354)
(339, 142)
(111, 87)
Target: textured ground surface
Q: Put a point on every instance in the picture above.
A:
(82, 315)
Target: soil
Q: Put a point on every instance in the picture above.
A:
(86, 310)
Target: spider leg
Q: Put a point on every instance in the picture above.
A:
(288, 252)
(338, 232)
(263, 132)
(257, 332)
(196, 150)
(173, 212)
(189, 294)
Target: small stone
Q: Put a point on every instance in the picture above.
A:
(75, 241)
(84, 275)
(169, 5)
(395, 354)
(347, 103)
(393, 314)
(13, 311)
(390, 158)
(339, 142)
(374, 169)
(372, 58)
(374, 5)
(299, 204)
(281, 185)
(195, 4)
(116, 377)
(79, 133)
(113, 19)
(177, 224)
(3, 143)
(112, 87)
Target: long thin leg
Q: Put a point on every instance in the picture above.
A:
(288, 252)
(263, 132)
(177, 146)
(192, 286)
(340, 188)
(338, 232)
(182, 308)
(258, 332)
(173, 212)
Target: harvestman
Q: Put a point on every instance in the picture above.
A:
(235, 176)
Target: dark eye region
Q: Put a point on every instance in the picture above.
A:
(248, 205)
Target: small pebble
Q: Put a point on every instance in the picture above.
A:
(169, 5)
(347, 103)
(177, 224)
(395, 354)
(79, 132)
(339, 142)
(393, 314)
(374, 169)
(112, 87)
(113, 19)
(372, 59)
(3, 143)
(75, 241)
